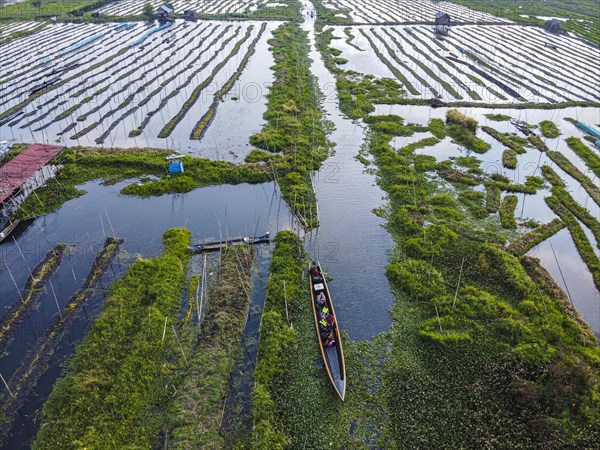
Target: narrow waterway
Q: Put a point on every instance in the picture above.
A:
(351, 243)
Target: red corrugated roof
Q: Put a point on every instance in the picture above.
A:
(18, 170)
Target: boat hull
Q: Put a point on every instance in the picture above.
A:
(333, 357)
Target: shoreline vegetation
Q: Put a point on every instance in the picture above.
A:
(490, 330)
(82, 164)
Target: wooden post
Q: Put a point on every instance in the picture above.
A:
(6, 384)
(458, 284)
(180, 347)
(285, 300)
(438, 317)
(165, 328)
(55, 299)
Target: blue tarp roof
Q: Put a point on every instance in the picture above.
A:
(166, 9)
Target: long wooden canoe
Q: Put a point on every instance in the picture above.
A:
(9, 229)
(333, 357)
(212, 246)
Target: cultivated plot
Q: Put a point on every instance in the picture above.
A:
(132, 85)
(398, 11)
(217, 7)
(7, 30)
(492, 64)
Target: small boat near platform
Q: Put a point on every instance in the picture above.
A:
(328, 332)
(217, 245)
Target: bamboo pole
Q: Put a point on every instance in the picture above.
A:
(458, 284)
(6, 384)
(180, 347)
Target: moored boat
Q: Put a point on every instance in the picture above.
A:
(328, 332)
(212, 246)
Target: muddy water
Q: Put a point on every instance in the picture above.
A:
(575, 276)
(351, 243)
(208, 212)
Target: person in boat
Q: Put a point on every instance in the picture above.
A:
(330, 320)
(321, 300)
(323, 323)
(325, 311)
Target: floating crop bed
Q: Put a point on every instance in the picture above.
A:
(11, 30)
(212, 7)
(110, 91)
(495, 64)
(396, 11)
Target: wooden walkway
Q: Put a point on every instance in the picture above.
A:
(17, 171)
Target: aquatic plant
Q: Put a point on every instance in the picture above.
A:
(535, 237)
(80, 164)
(591, 158)
(119, 377)
(33, 289)
(549, 129)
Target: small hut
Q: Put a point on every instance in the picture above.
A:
(190, 15)
(442, 23)
(164, 13)
(175, 163)
(553, 26)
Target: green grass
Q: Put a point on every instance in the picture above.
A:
(589, 156)
(535, 237)
(509, 159)
(549, 129)
(497, 117)
(80, 165)
(294, 122)
(117, 385)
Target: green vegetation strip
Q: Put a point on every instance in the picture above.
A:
(590, 157)
(212, 347)
(535, 237)
(507, 211)
(80, 164)
(168, 128)
(118, 383)
(351, 37)
(20, 34)
(34, 364)
(497, 117)
(294, 126)
(563, 162)
(202, 125)
(515, 143)
(509, 159)
(582, 243)
(462, 130)
(562, 194)
(33, 289)
(549, 129)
